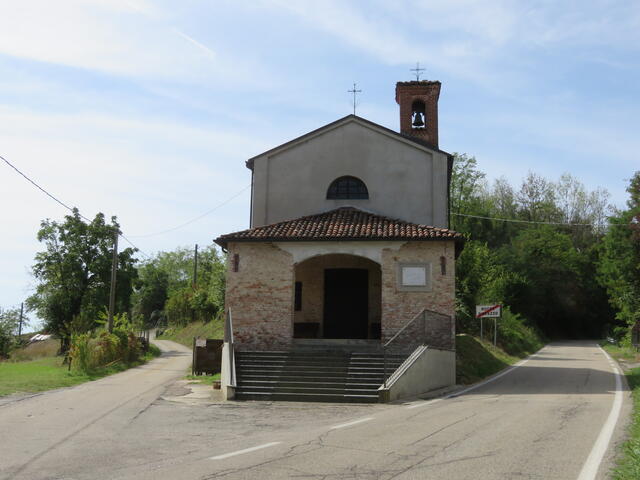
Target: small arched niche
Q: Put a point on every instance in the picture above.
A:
(347, 187)
(418, 116)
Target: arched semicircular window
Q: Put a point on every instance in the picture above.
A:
(347, 187)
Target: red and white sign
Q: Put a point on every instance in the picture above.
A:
(488, 311)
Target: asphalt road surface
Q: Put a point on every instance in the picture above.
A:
(553, 417)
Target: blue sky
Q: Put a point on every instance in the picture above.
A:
(148, 110)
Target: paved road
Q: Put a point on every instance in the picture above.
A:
(539, 421)
(35, 429)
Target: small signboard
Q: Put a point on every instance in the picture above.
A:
(207, 356)
(488, 311)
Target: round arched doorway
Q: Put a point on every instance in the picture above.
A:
(337, 296)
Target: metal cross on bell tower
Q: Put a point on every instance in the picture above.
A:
(355, 92)
(417, 71)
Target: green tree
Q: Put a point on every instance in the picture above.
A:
(619, 265)
(481, 278)
(73, 274)
(556, 293)
(9, 324)
(151, 292)
(185, 299)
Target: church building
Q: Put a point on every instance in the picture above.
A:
(342, 289)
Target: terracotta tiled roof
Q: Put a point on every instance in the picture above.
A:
(346, 223)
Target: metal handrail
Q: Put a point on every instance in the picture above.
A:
(228, 339)
(421, 312)
(420, 315)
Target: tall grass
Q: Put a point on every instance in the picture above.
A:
(36, 350)
(92, 351)
(185, 335)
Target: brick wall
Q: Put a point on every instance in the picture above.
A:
(260, 295)
(428, 92)
(399, 307)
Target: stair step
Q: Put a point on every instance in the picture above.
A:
(317, 380)
(313, 374)
(349, 385)
(316, 361)
(307, 397)
(276, 369)
(309, 389)
(307, 374)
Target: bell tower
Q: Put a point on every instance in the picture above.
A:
(418, 102)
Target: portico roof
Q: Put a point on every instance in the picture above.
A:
(341, 224)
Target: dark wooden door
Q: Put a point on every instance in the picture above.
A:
(346, 303)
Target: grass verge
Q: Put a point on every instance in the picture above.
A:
(48, 373)
(628, 463)
(184, 335)
(204, 379)
(476, 359)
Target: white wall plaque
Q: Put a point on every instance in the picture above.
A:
(414, 276)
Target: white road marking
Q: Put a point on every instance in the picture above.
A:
(477, 385)
(355, 422)
(592, 464)
(246, 450)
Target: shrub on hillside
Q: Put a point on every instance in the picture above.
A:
(516, 337)
(94, 350)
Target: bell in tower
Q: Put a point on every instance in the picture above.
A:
(418, 101)
(417, 115)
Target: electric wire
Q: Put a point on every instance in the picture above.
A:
(532, 222)
(60, 202)
(177, 227)
(37, 186)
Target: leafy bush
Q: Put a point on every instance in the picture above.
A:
(515, 337)
(94, 350)
(476, 360)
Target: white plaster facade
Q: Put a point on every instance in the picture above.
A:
(406, 180)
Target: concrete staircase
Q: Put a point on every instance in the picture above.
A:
(312, 374)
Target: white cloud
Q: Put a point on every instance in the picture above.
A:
(126, 38)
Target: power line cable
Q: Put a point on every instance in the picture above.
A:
(513, 220)
(37, 186)
(60, 202)
(195, 218)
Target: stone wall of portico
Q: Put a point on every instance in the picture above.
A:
(399, 307)
(260, 293)
(260, 296)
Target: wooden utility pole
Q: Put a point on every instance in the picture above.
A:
(195, 268)
(21, 312)
(112, 292)
(195, 280)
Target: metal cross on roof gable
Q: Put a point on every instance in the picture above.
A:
(417, 71)
(355, 92)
